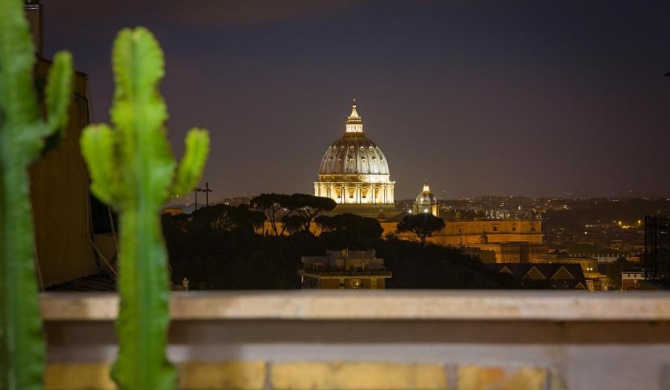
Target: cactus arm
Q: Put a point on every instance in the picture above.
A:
(138, 67)
(192, 164)
(21, 141)
(17, 60)
(98, 148)
(58, 92)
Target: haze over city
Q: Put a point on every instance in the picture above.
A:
(557, 98)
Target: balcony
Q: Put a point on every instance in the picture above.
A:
(334, 272)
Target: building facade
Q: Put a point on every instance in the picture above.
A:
(510, 230)
(589, 264)
(657, 248)
(355, 270)
(632, 280)
(354, 171)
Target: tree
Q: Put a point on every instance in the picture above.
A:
(423, 225)
(273, 205)
(615, 269)
(434, 266)
(310, 207)
(229, 218)
(293, 223)
(349, 230)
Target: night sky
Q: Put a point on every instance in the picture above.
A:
(480, 97)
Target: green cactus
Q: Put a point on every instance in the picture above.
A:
(133, 170)
(22, 140)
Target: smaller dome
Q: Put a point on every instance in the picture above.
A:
(426, 202)
(426, 197)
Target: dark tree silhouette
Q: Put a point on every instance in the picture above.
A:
(216, 248)
(275, 207)
(293, 223)
(348, 231)
(423, 225)
(229, 218)
(615, 269)
(310, 207)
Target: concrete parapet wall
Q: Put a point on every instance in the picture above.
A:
(381, 340)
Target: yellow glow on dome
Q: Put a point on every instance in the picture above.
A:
(354, 170)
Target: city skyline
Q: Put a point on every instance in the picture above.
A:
(477, 97)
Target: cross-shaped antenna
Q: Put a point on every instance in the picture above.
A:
(206, 190)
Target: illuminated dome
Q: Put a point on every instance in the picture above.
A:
(426, 202)
(354, 170)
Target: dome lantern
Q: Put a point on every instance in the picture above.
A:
(354, 122)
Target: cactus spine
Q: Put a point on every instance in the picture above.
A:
(133, 170)
(22, 140)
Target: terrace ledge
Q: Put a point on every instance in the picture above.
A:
(426, 305)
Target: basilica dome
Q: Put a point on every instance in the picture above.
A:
(354, 170)
(353, 153)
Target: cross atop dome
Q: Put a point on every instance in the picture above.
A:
(354, 122)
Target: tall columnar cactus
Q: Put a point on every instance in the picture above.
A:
(22, 140)
(133, 170)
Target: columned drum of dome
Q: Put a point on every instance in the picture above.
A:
(354, 171)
